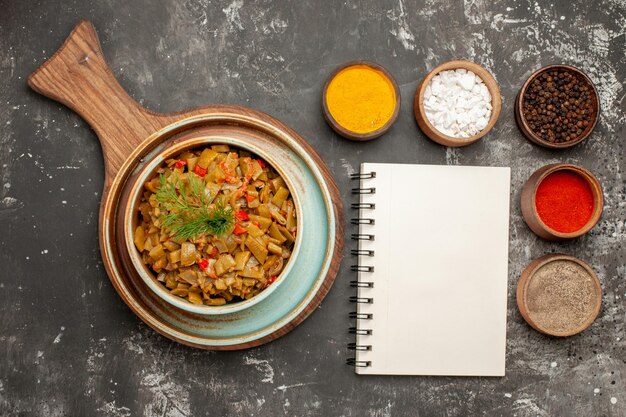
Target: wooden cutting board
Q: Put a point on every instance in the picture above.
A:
(78, 76)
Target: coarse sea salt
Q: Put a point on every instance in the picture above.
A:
(457, 103)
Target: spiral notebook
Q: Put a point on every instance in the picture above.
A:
(432, 270)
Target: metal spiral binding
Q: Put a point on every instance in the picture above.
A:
(362, 332)
(361, 268)
(363, 206)
(361, 252)
(362, 175)
(354, 346)
(359, 220)
(362, 300)
(361, 316)
(361, 284)
(358, 364)
(369, 190)
(356, 236)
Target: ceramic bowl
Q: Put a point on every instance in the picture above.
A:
(529, 208)
(282, 165)
(525, 128)
(348, 134)
(430, 130)
(526, 279)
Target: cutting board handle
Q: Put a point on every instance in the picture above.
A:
(78, 76)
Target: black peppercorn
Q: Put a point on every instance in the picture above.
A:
(557, 106)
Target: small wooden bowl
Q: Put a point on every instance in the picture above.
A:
(430, 130)
(348, 134)
(529, 207)
(527, 277)
(521, 120)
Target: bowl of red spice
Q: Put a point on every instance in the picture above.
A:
(557, 107)
(561, 201)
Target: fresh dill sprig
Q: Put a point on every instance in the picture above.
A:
(189, 211)
(200, 221)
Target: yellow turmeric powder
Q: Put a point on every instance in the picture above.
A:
(361, 99)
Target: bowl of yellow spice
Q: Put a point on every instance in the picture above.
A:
(360, 100)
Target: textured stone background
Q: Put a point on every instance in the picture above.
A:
(70, 346)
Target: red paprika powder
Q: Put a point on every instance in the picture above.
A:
(564, 201)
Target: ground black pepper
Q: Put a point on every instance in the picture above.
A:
(559, 106)
(561, 297)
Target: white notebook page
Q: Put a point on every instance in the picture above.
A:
(440, 270)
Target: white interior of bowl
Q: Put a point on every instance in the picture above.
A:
(148, 276)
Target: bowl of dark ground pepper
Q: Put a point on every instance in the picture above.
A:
(557, 107)
(559, 295)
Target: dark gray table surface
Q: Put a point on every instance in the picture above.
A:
(70, 346)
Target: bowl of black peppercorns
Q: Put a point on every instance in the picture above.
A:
(557, 107)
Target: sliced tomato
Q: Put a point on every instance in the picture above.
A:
(203, 264)
(239, 229)
(242, 216)
(200, 171)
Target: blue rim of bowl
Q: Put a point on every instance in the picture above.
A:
(185, 328)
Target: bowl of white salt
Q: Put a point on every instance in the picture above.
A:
(457, 103)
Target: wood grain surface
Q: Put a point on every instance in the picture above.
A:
(77, 75)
